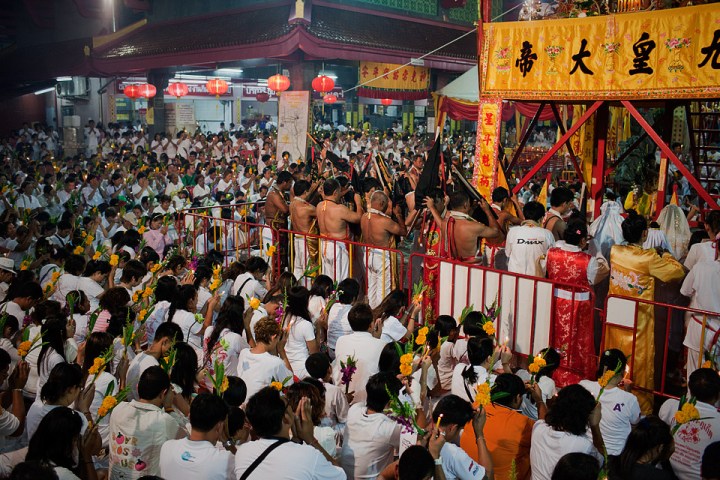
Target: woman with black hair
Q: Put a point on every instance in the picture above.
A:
(573, 326)
(96, 273)
(53, 334)
(185, 370)
(224, 341)
(564, 430)
(252, 283)
(633, 271)
(301, 341)
(203, 277)
(96, 345)
(284, 282)
(156, 235)
(466, 378)
(70, 280)
(319, 292)
(620, 409)
(165, 291)
(649, 446)
(62, 389)
(182, 311)
(544, 379)
(61, 444)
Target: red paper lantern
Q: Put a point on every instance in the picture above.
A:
(323, 84)
(216, 86)
(278, 83)
(330, 99)
(132, 91)
(178, 90)
(386, 101)
(262, 97)
(147, 90)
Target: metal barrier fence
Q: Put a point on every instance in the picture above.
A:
(648, 369)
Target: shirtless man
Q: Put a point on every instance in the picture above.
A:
(378, 229)
(463, 234)
(333, 218)
(303, 219)
(495, 254)
(276, 216)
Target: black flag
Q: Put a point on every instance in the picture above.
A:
(430, 176)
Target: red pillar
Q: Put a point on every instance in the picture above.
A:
(597, 186)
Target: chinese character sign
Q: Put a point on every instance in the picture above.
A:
(671, 53)
(486, 146)
(390, 77)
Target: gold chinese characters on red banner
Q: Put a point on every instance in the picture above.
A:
(671, 53)
(487, 144)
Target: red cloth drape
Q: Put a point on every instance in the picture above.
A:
(462, 110)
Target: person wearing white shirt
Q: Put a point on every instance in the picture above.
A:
(466, 378)
(620, 409)
(224, 341)
(692, 438)
(371, 438)
(26, 200)
(338, 324)
(526, 245)
(165, 337)
(266, 310)
(452, 413)
(362, 346)
(257, 367)
(336, 405)
(251, 283)
(197, 455)
(182, 312)
(701, 285)
(139, 428)
(301, 340)
(285, 459)
(564, 430)
(92, 137)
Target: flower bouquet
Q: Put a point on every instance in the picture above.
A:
(216, 279)
(687, 412)
(535, 364)
(606, 377)
(110, 401)
(168, 361)
(278, 385)
(219, 380)
(26, 345)
(100, 364)
(419, 290)
(403, 413)
(348, 369)
(332, 298)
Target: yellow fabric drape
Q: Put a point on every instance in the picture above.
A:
(632, 274)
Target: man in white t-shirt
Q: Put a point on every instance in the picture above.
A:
(362, 346)
(526, 245)
(165, 336)
(692, 437)
(139, 429)
(271, 420)
(620, 409)
(453, 414)
(197, 455)
(371, 438)
(348, 291)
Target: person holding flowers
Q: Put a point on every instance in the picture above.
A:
(564, 430)
(165, 337)
(620, 409)
(96, 273)
(53, 334)
(182, 312)
(696, 425)
(157, 236)
(97, 369)
(224, 341)
(301, 341)
(543, 377)
(466, 378)
(398, 323)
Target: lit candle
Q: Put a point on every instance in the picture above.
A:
(437, 424)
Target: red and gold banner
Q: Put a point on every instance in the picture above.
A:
(406, 83)
(672, 53)
(486, 145)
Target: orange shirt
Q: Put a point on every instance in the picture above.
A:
(507, 436)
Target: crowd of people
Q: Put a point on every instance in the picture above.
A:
(140, 342)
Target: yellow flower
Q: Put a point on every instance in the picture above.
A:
(217, 270)
(224, 385)
(97, 366)
(142, 230)
(690, 411)
(420, 340)
(97, 256)
(423, 331)
(254, 303)
(166, 359)
(78, 250)
(489, 328)
(270, 251)
(55, 275)
(142, 314)
(706, 364)
(540, 362)
(277, 386)
(24, 348)
(407, 359)
(83, 234)
(147, 292)
(136, 297)
(681, 417)
(155, 268)
(533, 368)
(89, 240)
(606, 377)
(243, 212)
(23, 266)
(109, 402)
(482, 398)
(114, 260)
(102, 412)
(406, 369)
